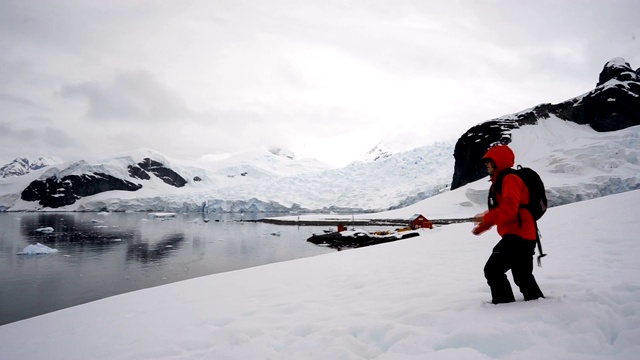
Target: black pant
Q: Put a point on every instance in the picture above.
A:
(515, 254)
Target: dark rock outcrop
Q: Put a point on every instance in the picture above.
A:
(170, 177)
(613, 105)
(615, 102)
(138, 173)
(53, 192)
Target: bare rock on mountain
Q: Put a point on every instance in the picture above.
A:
(170, 177)
(54, 192)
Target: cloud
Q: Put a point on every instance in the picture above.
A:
(212, 76)
(129, 96)
(16, 100)
(35, 141)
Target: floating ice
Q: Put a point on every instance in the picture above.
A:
(37, 249)
(162, 215)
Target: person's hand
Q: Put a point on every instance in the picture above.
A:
(480, 225)
(480, 228)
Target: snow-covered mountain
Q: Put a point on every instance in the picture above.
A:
(270, 180)
(399, 140)
(23, 165)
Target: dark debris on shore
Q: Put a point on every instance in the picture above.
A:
(354, 222)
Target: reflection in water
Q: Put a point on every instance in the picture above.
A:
(66, 228)
(150, 253)
(100, 256)
(141, 241)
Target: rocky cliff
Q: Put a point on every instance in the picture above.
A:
(614, 104)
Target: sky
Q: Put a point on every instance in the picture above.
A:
(324, 79)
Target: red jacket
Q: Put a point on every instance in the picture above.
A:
(514, 193)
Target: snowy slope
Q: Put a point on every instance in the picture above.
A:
(421, 298)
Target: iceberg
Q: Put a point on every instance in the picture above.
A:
(162, 215)
(37, 249)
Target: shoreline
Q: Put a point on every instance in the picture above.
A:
(359, 222)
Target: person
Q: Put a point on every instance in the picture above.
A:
(514, 224)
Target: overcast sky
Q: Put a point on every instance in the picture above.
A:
(325, 79)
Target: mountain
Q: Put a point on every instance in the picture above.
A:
(587, 145)
(23, 165)
(268, 180)
(399, 140)
(613, 105)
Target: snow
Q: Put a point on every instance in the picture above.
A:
(617, 62)
(418, 298)
(37, 249)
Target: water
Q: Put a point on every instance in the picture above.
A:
(106, 255)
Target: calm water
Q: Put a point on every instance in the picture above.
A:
(105, 255)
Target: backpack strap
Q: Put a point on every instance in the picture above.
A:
(496, 188)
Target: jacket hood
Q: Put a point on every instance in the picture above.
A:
(502, 156)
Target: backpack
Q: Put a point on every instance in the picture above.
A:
(537, 205)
